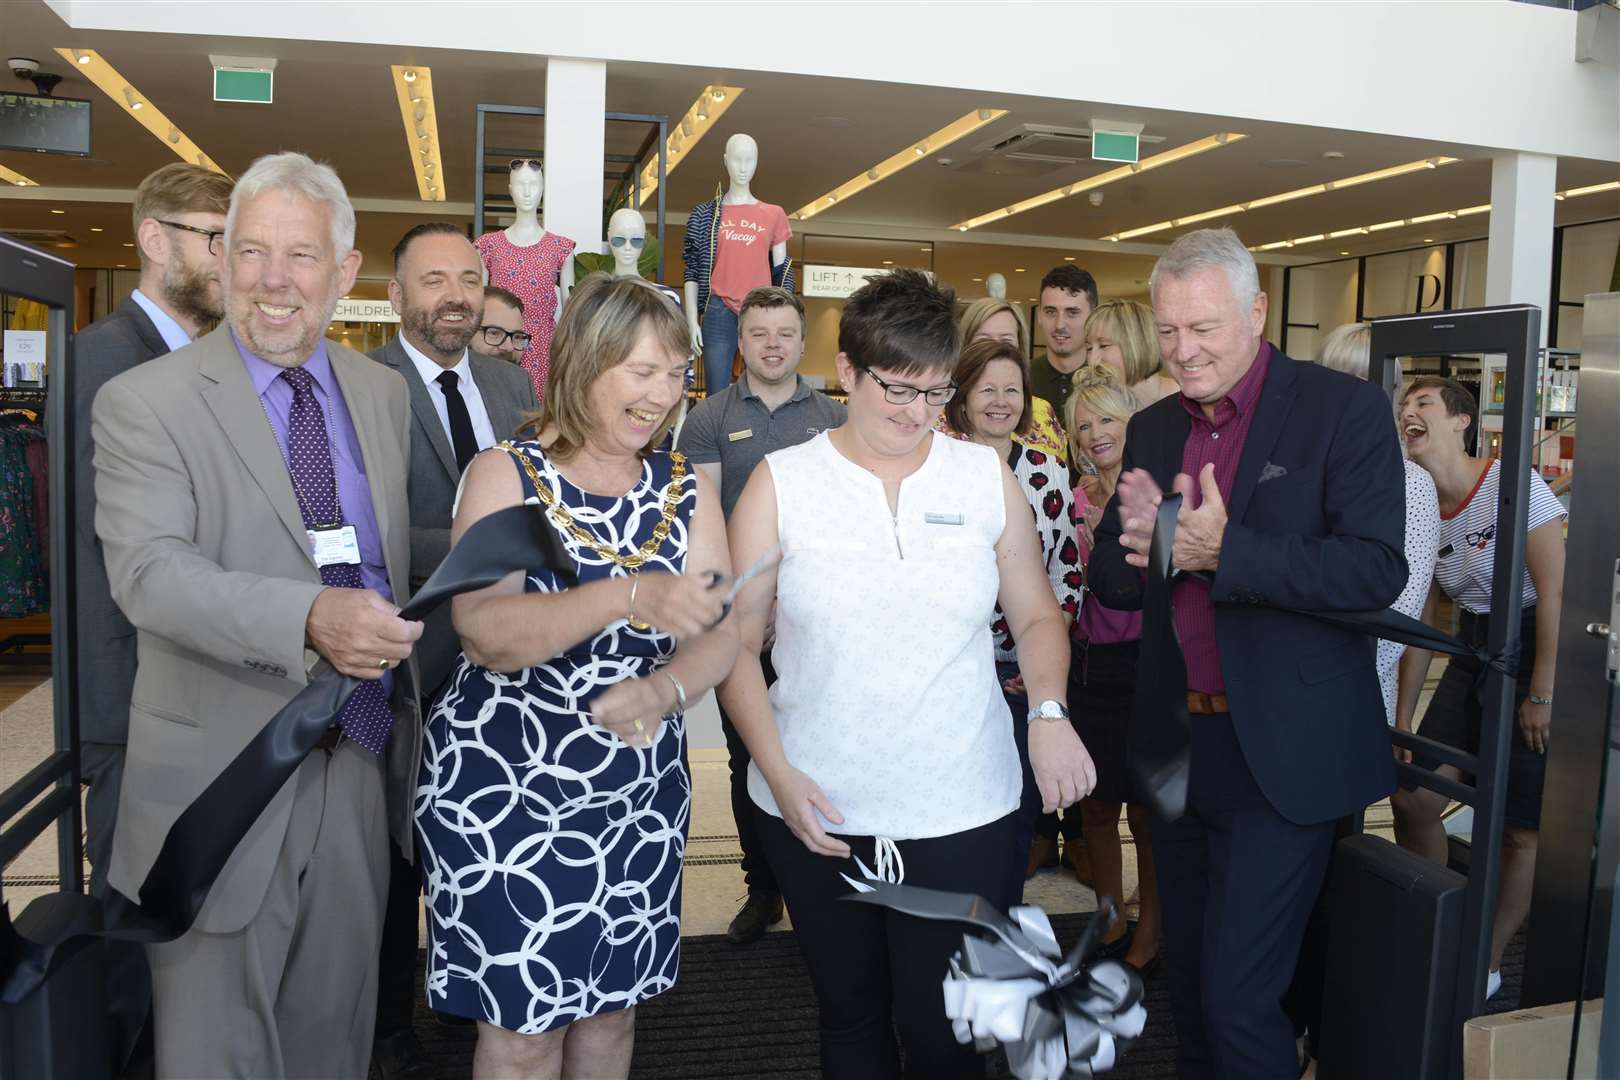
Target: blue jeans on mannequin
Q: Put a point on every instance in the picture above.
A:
(719, 345)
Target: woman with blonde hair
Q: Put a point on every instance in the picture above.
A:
(554, 795)
(997, 320)
(1103, 672)
(1124, 336)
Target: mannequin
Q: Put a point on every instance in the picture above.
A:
(996, 286)
(627, 239)
(733, 244)
(533, 263)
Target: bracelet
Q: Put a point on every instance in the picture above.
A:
(1537, 699)
(630, 611)
(680, 691)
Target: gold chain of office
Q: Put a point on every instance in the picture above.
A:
(565, 519)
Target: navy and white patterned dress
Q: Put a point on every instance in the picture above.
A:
(551, 850)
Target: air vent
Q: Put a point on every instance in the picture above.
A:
(1044, 142)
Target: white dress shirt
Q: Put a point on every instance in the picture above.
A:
(173, 334)
(430, 371)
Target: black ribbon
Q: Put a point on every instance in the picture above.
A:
(1157, 746)
(206, 833)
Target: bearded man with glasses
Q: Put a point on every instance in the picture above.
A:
(501, 334)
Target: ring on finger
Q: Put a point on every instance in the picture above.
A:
(382, 665)
(641, 728)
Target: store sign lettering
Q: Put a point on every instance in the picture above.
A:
(836, 282)
(363, 311)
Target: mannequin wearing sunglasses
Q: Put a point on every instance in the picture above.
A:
(734, 244)
(627, 239)
(534, 264)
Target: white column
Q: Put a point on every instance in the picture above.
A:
(1518, 267)
(576, 128)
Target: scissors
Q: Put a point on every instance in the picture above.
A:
(767, 561)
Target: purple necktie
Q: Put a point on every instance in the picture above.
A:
(366, 718)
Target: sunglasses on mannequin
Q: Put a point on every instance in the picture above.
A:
(522, 163)
(637, 242)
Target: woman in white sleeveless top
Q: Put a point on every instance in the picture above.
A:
(886, 738)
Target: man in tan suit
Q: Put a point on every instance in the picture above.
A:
(251, 501)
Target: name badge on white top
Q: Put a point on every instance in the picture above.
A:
(338, 546)
(934, 517)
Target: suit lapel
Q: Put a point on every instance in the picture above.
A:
(366, 413)
(145, 329)
(422, 407)
(504, 414)
(242, 418)
(1173, 442)
(1276, 397)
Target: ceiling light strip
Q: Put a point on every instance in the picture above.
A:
(413, 86)
(1091, 183)
(962, 126)
(1423, 219)
(12, 176)
(1288, 196)
(122, 93)
(709, 107)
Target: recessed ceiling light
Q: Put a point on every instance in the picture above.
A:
(978, 279)
(95, 228)
(118, 266)
(11, 176)
(925, 248)
(888, 262)
(58, 211)
(1068, 258)
(962, 126)
(711, 104)
(1124, 172)
(126, 97)
(129, 245)
(413, 87)
(1018, 269)
(1333, 155)
(1286, 196)
(1428, 239)
(1344, 253)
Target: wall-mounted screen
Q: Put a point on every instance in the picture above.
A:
(49, 124)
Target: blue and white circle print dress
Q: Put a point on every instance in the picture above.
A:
(551, 850)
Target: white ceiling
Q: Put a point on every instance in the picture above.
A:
(336, 102)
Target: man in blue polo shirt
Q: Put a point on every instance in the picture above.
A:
(725, 436)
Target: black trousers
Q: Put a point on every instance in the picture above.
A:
(398, 954)
(876, 971)
(1238, 882)
(129, 980)
(756, 870)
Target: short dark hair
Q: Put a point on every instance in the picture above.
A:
(505, 296)
(1071, 279)
(767, 297)
(1453, 395)
(977, 356)
(427, 228)
(902, 322)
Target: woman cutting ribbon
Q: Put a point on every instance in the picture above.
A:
(886, 741)
(554, 792)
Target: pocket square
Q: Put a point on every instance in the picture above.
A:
(1271, 472)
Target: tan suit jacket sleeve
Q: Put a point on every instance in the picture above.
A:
(145, 511)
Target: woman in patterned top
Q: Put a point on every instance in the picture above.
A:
(991, 409)
(1103, 674)
(996, 320)
(554, 795)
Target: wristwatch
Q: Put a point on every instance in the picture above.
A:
(1049, 710)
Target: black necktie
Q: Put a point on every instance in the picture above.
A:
(1158, 745)
(461, 432)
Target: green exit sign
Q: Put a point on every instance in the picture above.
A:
(1114, 146)
(233, 84)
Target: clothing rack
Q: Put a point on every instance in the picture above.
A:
(25, 649)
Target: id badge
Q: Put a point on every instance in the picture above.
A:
(338, 546)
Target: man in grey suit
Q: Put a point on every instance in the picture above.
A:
(251, 503)
(461, 402)
(179, 222)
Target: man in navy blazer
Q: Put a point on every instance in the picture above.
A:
(1293, 497)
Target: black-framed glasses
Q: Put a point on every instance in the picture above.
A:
(637, 242)
(497, 338)
(522, 163)
(901, 394)
(216, 238)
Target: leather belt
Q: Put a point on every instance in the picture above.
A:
(329, 738)
(1202, 704)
